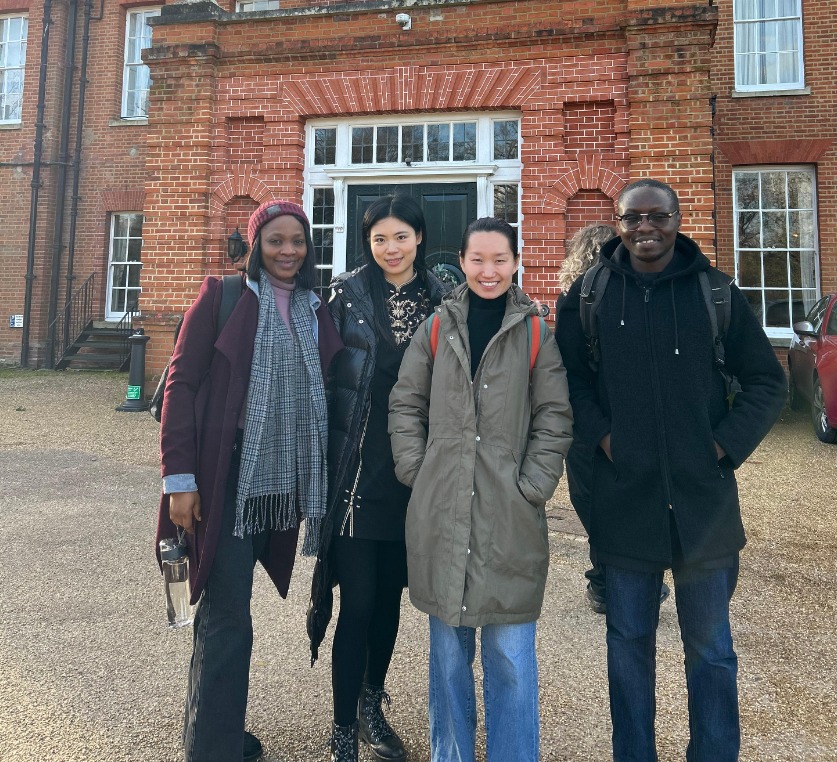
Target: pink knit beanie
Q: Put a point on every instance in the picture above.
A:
(270, 209)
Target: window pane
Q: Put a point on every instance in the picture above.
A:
(323, 210)
(438, 142)
(773, 190)
(748, 230)
(747, 190)
(775, 269)
(324, 245)
(120, 225)
(505, 203)
(362, 145)
(325, 146)
(133, 279)
(135, 225)
(134, 249)
(387, 150)
(749, 269)
(801, 230)
(800, 191)
(774, 230)
(777, 309)
(505, 140)
(120, 250)
(465, 141)
(412, 142)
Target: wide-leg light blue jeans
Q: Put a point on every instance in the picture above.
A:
(510, 692)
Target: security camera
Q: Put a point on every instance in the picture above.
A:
(404, 21)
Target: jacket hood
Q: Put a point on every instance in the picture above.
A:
(689, 256)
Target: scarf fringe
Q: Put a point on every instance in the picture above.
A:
(311, 542)
(267, 513)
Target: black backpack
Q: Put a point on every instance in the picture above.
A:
(715, 287)
(231, 286)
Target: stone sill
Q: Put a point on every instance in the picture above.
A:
(142, 122)
(769, 93)
(15, 126)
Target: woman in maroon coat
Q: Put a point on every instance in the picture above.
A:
(243, 442)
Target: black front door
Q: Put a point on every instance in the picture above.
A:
(447, 207)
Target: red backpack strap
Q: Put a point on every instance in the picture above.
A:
(434, 328)
(534, 327)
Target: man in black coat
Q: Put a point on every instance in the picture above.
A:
(666, 444)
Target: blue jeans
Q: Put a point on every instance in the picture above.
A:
(510, 692)
(219, 673)
(633, 611)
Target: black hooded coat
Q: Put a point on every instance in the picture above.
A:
(658, 393)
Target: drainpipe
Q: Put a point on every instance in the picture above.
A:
(712, 105)
(36, 184)
(61, 179)
(71, 238)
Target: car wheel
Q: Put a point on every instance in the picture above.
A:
(824, 432)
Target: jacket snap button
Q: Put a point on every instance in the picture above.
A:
(485, 386)
(450, 337)
(473, 493)
(478, 439)
(469, 551)
(339, 290)
(360, 321)
(464, 608)
(348, 304)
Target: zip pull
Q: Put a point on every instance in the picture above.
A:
(647, 295)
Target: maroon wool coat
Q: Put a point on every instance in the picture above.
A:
(205, 392)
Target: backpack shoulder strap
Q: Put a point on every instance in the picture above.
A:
(535, 327)
(593, 287)
(434, 327)
(715, 288)
(231, 287)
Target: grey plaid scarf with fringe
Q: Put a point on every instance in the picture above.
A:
(283, 456)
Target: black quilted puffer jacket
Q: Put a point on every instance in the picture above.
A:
(349, 392)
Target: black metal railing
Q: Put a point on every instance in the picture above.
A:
(76, 317)
(125, 328)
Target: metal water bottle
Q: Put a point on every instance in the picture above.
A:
(175, 559)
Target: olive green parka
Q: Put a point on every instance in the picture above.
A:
(482, 457)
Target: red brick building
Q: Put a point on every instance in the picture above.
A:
(538, 111)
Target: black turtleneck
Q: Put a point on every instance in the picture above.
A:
(484, 319)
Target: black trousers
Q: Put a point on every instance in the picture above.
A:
(372, 575)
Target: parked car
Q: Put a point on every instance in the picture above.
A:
(812, 366)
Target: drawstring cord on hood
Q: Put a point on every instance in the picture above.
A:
(622, 320)
(674, 310)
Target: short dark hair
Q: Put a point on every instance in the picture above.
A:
(647, 182)
(306, 277)
(490, 225)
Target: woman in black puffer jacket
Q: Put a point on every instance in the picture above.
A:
(376, 309)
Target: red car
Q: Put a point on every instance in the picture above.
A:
(812, 366)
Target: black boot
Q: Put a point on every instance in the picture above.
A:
(344, 743)
(373, 728)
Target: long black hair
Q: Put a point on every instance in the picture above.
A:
(408, 211)
(306, 277)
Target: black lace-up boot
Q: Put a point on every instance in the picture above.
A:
(344, 743)
(373, 728)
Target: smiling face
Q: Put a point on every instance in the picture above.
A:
(394, 243)
(651, 248)
(488, 263)
(283, 246)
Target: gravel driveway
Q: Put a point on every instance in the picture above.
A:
(90, 672)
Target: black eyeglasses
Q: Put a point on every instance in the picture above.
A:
(655, 219)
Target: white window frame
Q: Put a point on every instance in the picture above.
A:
(111, 314)
(484, 170)
(775, 331)
(130, 65)
(6, 69)
(256, 6)
(738, 27)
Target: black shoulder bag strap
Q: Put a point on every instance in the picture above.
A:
(592, 291)
(715, 287)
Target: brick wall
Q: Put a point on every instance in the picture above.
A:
(780, 129)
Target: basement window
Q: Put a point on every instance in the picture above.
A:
(257, 5)
(13, 31)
